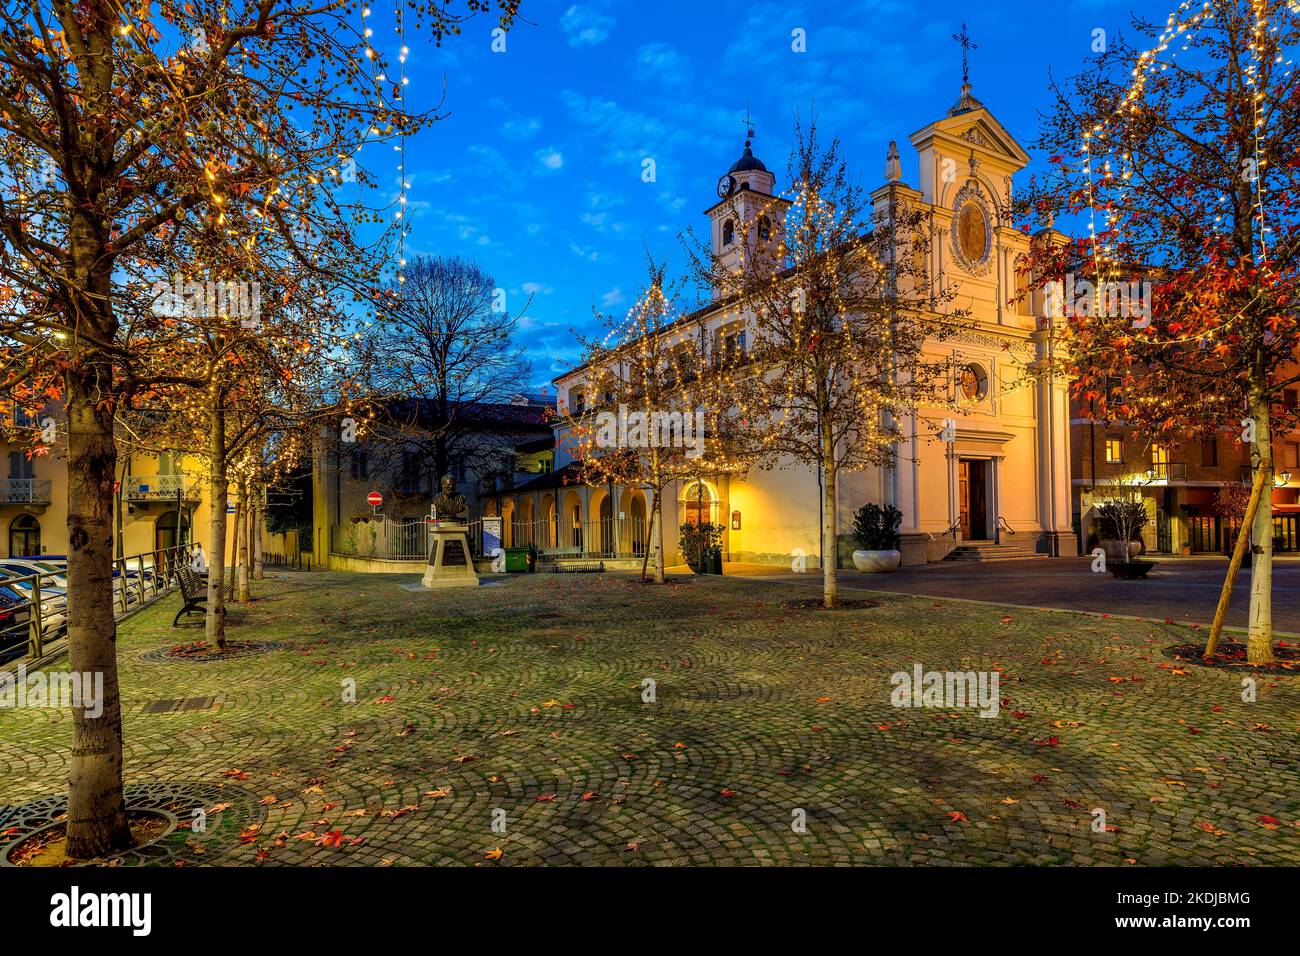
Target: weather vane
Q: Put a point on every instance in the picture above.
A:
(966, 46)
(749, 124)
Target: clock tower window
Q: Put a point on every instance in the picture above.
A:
(728, 232)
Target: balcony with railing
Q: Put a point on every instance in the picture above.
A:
(161, 488)
(24, 491)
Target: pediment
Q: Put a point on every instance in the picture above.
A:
(980, 130)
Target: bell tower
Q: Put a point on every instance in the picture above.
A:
(748, 218)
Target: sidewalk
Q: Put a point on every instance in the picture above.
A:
(1179, 589)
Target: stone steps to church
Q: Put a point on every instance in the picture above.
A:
(992, 552)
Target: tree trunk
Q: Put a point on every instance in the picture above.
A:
(96, 807)
(241, 541)
(1259, 640)
(659, 537)
(215, 621)
(235, 533)
(830, 527)
(259, 512)
(645, 558)
(1244, 535)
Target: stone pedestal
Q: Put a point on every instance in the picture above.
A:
(450, 563)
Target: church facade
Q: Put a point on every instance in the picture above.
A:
(999, 486)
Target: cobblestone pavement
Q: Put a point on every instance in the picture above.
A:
(527, 698)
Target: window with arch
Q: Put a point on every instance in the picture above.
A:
(171, 530)
(699, 504)
(764, 229)
(24, 537)
(728, 232)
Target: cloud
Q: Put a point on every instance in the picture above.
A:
(661, 63)
(550, 158)
(521, 129)
(613, 297)
(672, 201)
(585, 26)
(537, 288)
(428, 177)
(488, 160)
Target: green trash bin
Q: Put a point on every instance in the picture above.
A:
(519, 559)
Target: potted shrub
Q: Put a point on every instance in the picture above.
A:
(875, 528)
(1122, 521)
(698, 543)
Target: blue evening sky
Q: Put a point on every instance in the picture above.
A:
(535, 172)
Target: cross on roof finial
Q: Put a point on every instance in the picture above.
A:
(966, 46)
(749, 124)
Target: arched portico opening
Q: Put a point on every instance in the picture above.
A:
(571, 521)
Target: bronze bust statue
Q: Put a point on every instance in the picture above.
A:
(449, 504)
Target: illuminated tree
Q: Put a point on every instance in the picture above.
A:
(125, 129)
(840, 309)
(1181, 158)
(654, 372)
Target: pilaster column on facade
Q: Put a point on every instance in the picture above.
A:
(915, 543)
(995, 498)
(584, 517)
(954, 488)
(1052, 411)
(615, 517)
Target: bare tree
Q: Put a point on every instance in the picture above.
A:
(657, 372)
(444, 347)
(841, 308)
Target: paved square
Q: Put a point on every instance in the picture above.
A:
(527, 698)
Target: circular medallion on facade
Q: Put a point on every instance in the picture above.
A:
(972, 232)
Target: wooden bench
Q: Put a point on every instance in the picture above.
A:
(194, 591)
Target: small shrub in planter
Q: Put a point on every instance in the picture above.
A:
(875, 528)
(1122, 520)
(697, 541)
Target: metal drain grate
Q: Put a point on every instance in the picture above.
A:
(184, 703)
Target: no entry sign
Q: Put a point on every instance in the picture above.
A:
(374, 499)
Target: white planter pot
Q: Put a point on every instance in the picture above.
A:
(876, 560)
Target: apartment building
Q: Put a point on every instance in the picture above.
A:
(1179, 482)
(160, 499)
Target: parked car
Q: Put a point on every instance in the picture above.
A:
(54, 601)
(57, 577)
(15, 618)
(58, 563)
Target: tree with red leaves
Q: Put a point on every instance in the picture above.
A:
(1180, 160)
